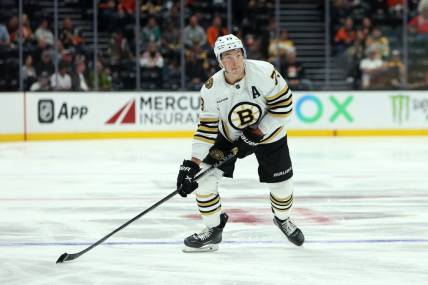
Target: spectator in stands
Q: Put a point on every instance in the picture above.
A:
(171, 39)
(366, 26)
(354, 55)
(196, 66)
(13, 28)
(125, 12)
(372, 68)
(44, 64)
(295, 73)
(66, 58)
(345, 35)
(43, 35)
(194, 33)
(380, 42)
(61, 81)
(172, 10)
(152, 8)
(152, 57)
(119, 48)
(254, 49)
(69, 35)
(172, 74)
(104, 77)
(395, 70)
(419, 24)
(42, 83)
(27, 32)
(4, 35)
(152, 63)
(128, 6)
(395, 8)
(28, 72)
(78, 80)
(361, 9)
(280, 46)
(340, 9)
(151, 32)
(215, 30)
(108, 15)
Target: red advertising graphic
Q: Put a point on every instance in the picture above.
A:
(126, 114)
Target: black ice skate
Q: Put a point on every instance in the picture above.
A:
(207, 240)
(293, 233)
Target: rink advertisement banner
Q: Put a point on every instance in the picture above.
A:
(11, 116)
(111, 112)
(360, 110)
(174, 114)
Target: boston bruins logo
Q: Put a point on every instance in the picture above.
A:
(244, 114)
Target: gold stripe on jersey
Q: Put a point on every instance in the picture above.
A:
(272, 98)
(204, 196)
(281, 104)
(204, 139)
(226, 131)
(281, 201)
(208, 203)
(281, 204)
(281, 209)
(211, 212)
(208, 120)
(280, 114)
(207, 129)
(271, 136)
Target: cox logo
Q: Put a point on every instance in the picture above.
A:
(313, 103)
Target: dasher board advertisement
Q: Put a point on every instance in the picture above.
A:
(347, 110)
(112, 112)
(11, 115)
(177, 111)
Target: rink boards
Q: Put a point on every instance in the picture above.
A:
(53, 115)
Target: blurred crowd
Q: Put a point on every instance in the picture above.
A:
(365, 34)
(368, 36)
(159, 44)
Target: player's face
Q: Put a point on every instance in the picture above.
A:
(233, 61)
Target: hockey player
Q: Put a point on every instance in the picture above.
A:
(244, 105)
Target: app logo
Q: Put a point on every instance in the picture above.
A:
(400, 108)
(46, 111)
(126, 114)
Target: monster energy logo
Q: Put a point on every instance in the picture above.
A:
(400, 108)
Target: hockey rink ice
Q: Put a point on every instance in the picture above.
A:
(362, 204)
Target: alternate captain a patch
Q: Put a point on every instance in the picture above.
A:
(209, 83)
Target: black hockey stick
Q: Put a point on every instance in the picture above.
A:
(70, 256)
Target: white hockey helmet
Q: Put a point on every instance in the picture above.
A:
(225, 43)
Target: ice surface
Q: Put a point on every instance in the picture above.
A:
(361, 202)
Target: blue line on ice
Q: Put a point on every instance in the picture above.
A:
(172, 242)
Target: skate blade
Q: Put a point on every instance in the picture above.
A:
(206, 248)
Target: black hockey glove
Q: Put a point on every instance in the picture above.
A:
(185, 182)
(247, 143)
(221, 148)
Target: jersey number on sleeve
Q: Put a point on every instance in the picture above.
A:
(274, 76)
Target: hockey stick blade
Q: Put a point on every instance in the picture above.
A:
(71, 256)
(64, 257)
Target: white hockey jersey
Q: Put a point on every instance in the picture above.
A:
(261, 99)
